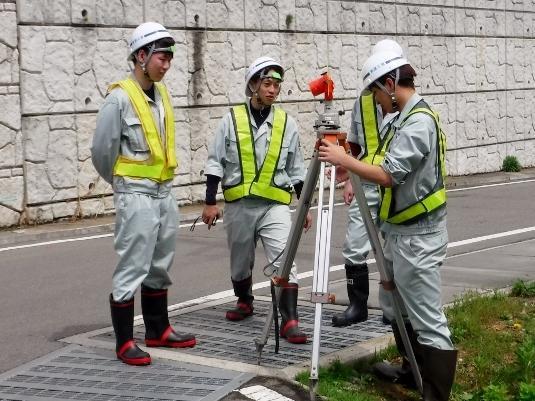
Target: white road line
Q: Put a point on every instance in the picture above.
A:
(59, 241)
(491, 236)
(261, 393)
(489, 185)
(490, 248)
(265, 284)
(499, 235)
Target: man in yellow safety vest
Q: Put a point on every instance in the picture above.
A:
(134, 150)
(257, 157)
(413, 219)
(364, 139)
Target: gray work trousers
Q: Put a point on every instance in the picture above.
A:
(414, 262)
(248, 220)
(357, 244)
(145, 240)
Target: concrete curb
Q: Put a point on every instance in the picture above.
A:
(58, 231)
(488, 178)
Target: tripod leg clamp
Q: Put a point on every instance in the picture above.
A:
(324, 298)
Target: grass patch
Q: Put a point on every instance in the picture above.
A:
(523, 289)
(511, 164)
(495, 335)
(355, 381)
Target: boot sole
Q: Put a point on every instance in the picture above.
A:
(392, 374)
(136, 361)
(348, 323)
(297, 340)
(169, 344)
(236, 317)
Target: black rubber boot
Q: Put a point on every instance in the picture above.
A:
(358, 289)
(244, 307)
(401, 374)
(158, 331)
(395, 373)
(122, 318)
(438, 373)
(288, 309)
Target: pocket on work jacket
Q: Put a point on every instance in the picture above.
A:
(135, 136)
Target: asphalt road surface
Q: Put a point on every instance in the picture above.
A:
(61, 289)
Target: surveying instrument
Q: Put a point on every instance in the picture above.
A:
(327, 127)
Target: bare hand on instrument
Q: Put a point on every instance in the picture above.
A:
(348, 192)
(210, 214)
(331, 152)
(308, 222)
(341, 174)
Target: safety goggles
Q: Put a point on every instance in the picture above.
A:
(170, 49)
(271, 74)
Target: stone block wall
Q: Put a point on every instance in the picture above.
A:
(474, 59)
(12, 187)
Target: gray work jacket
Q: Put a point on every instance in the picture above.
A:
(223, 155)
(411, 161)
(118, 132)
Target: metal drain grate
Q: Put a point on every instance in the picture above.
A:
(80, 373)
(233, 341)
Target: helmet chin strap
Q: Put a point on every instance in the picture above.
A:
(256, 96)
(259, 100)
(144, 65)
(392, 94)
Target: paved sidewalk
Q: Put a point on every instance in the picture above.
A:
(224, 363)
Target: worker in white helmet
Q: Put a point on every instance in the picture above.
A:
(413, 218)
(257, 157)
(364, 139)
(134, 150)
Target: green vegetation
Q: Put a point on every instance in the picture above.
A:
(511, 164)
(523, 289)
(495, 335)
(289, 20)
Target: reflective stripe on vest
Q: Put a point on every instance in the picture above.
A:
(252, 182)
(368, 112)
(161, 164)
(430, 202)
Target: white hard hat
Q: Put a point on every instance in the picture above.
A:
(379, 64)
(145, 34)
(258, 65)
(388, 45)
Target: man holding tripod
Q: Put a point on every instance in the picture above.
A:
(413, 218)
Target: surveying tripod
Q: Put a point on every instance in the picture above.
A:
(327, 127)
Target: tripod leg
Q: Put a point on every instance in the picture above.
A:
(320, 283)
(290, 250)
(380, 261)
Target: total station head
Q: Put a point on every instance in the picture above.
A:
(323, 84)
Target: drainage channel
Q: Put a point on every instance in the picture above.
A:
(234, 341)
(88, 370)
(83, 373)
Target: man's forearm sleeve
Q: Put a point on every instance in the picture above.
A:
(212, 182)
(298, 188)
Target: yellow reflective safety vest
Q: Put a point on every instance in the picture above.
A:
(372, 138)
(161, 164)
(253, 182)
(432, 201)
